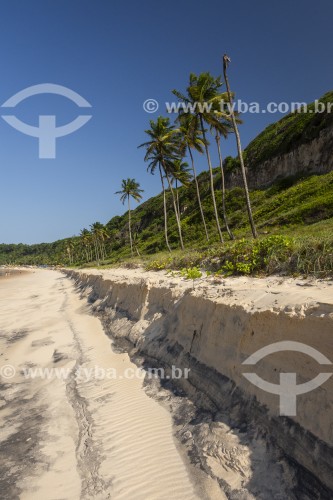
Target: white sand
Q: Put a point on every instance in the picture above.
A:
(252, 293)
(72, 438)
(97, 439)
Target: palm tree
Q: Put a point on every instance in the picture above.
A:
(130, 188)
(70, 251)
(220, 126)
(180, 173)
(95, 239)
(85, 236)
(191, 137)
(203, 92)
(99, 235)
(161, 151)
(226, 61)
(103, 235)
(224, 211)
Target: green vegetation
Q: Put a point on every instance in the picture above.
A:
(291, 222)
(294, 220)
(275, 254)
(288, 133)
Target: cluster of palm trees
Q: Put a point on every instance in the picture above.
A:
(91, 245)
(211, 111)
(93, 241)
(208, 113)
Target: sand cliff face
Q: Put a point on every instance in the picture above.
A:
(315, 157)
(213, 329)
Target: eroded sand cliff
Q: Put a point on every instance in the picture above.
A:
(248, 446)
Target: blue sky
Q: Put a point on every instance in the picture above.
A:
(117, 55)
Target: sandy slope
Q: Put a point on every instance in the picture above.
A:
(69, 438)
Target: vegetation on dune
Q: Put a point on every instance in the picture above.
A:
(276, 254)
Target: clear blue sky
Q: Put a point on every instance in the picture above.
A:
(116, 55)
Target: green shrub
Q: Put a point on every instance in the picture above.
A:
(191, 273)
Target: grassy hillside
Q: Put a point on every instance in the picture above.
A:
(286, 134)
(288, 204)
(294, 219)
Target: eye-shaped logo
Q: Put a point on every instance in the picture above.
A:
(47, 132)
(287, 389)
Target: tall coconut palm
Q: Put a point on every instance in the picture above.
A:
(203, 92)
(103, 236)
(192, 139)
(130, 188)
(226, 61)
(161, 151)
(99, 235)
(85, 237)
(151, 169)
(224, 210)
(70, 251)
(169, 168)
(181, 173)
(220, 126)
(95, 239)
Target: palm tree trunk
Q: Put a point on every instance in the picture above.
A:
(129, 225)
(175, 209)
(177, 199)
(198, 193)
(224, 212)
(100, 248)
(211, 180)
(165, 211)
(240, 155)
(96, 249)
